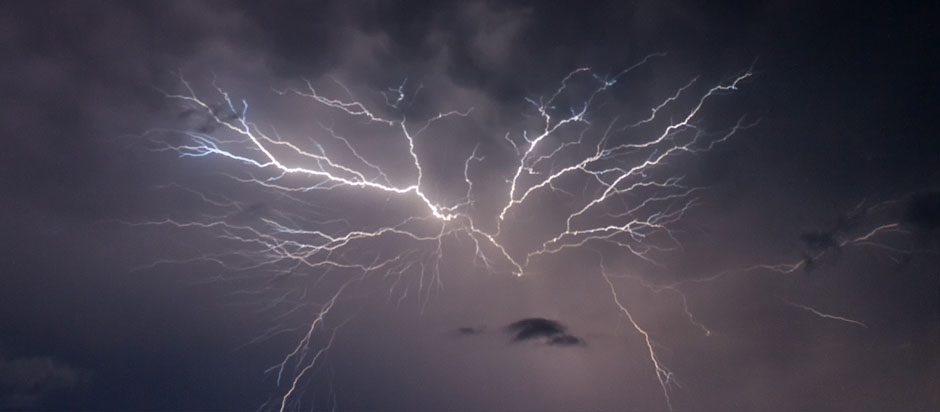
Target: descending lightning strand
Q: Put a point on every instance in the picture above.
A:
(663, 375)
(287, 242)
(825, 315)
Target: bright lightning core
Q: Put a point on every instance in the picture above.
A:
(361, 195)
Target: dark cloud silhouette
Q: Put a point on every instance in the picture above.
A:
(566, 340)
(550, 331)
(825, 240)
(469, 330)
(533, 328)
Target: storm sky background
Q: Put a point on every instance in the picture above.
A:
(846, 96)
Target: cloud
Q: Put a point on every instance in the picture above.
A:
(469, 330)
(533, 328)
(566, 340)
(824, 240)
(549, 331)
(26, 381)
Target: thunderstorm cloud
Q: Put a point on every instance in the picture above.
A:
(189, 279)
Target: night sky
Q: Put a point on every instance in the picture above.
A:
(785, 254)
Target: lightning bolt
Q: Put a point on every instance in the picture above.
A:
(613, 173)
(663, 375)
(825, 315)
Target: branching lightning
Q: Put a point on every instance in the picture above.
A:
(627, 194)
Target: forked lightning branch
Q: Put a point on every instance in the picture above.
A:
(614, 172)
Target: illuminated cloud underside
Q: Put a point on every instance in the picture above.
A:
(629, 198)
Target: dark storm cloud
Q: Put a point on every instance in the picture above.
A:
(26, 381)
(843, 94)
(920, 212)
(501, 48)
(79, 75)
(532, 328)
(546, 330)
(819, 241)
